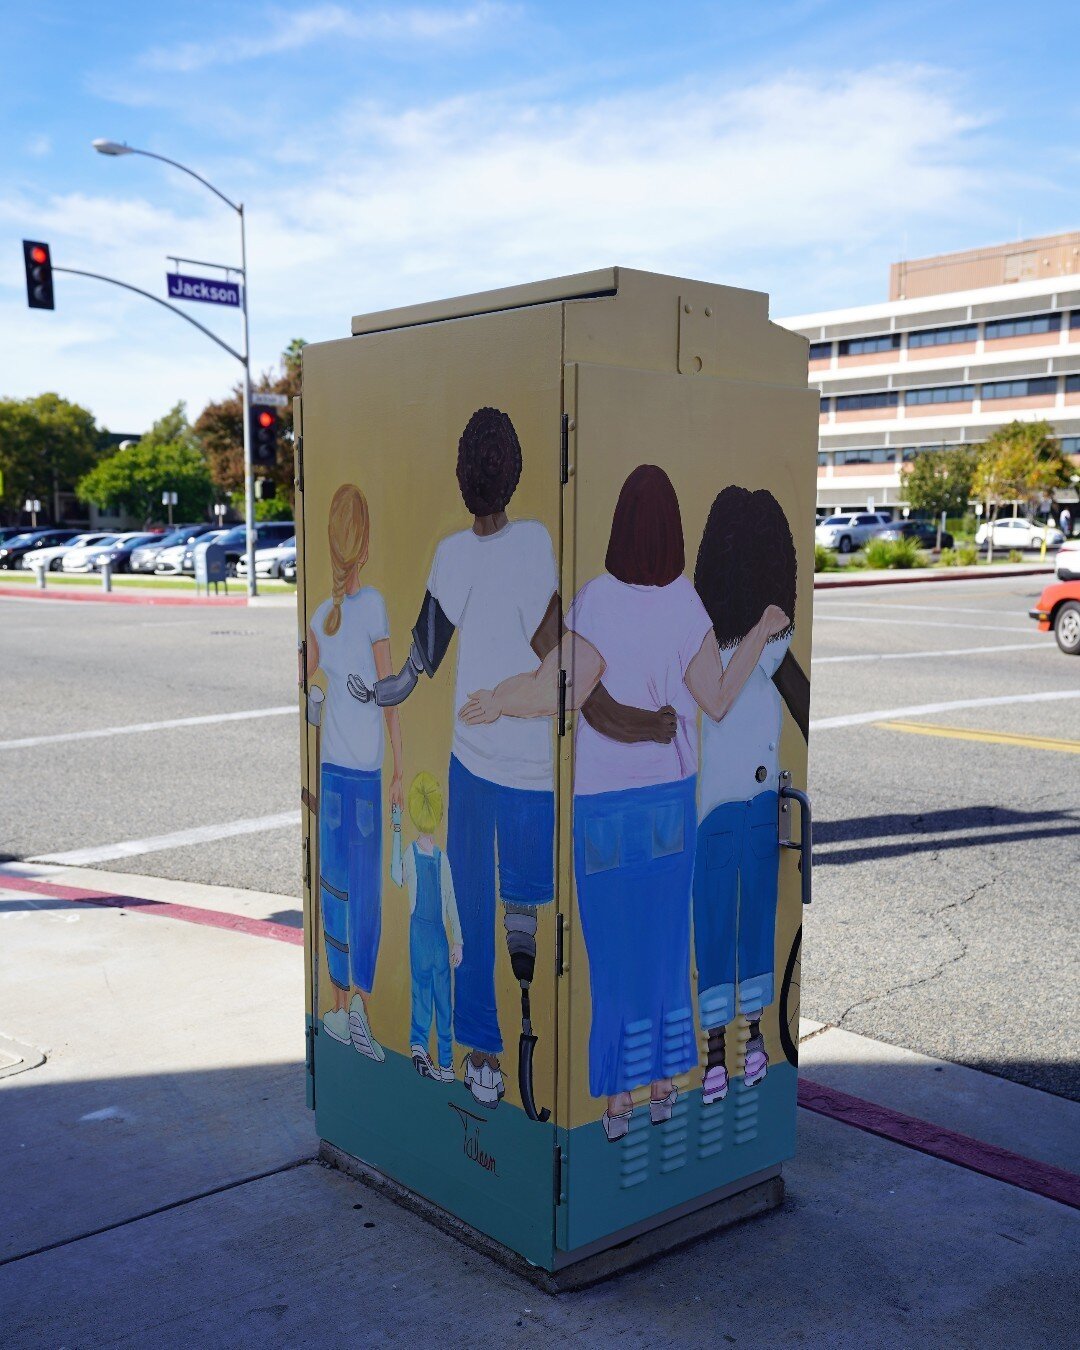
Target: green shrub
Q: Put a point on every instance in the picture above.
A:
(949, 557)
(1015, 555)
(824, 558)
(897, 553)
(968, 555)
(962, 527)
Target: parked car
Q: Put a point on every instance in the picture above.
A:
(10, 531)
(847, 532)
(1067, 563)
(922, 530)
(15, 549)
(77, 558)
(144, 558)
(268, 561)
(118, 552)
(53, 557)
(1015, 532)
(268, 534)
(179, 559)
(1058, 611)
(288, 569)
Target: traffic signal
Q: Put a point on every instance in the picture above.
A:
(39, 287)
(264, 429)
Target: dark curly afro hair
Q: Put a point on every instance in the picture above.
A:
(488, 462)
(745, 563)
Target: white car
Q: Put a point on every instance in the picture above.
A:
(850, 531)
(269, 561)
(78, 559)
(53, 557)
(1067, 564)
(1015, 532)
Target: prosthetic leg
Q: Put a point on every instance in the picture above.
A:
(520, 924)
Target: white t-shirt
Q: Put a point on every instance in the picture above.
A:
(747, 739)
(352, 732)
(647, 635)
(495, 589)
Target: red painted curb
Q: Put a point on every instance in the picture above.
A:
(117, 598)
(962, 1149)
(908, 578)
(165, 909)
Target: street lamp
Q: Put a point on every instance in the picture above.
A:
(113, 148)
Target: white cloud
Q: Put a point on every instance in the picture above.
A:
(801, 185)
(285, 31)
(39, 146)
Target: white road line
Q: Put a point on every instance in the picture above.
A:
(953, 651)
(210, 719)
(923, 709)
(921, 623)
(201, 834)
(919, 609)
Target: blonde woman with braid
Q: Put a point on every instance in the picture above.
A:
(347, 633)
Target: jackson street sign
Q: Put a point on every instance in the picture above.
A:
(200, 288)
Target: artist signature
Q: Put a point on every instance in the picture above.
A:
(470, 1143)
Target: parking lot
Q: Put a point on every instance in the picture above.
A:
(944, 776)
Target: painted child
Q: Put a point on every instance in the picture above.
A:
(424, 869)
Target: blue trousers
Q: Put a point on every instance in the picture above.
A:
(736, 875)
(633, 860)
(481, 817)
(429, 962)
(350, 867)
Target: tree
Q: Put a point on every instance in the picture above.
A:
(168, 458)
(940, 480)
(46, 443)
(1021, 462)
(220, 429)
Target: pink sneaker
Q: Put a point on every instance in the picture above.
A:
(757, 1061)
(714, 1085)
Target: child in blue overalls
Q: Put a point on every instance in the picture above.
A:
(424, 869)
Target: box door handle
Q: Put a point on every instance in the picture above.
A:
(806, 837)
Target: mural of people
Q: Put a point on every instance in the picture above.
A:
(642, 628)
(424, 870)
(745, 567)
(350, 632)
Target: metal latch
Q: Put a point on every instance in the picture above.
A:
(789, 794)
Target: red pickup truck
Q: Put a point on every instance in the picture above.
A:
(1058, 611)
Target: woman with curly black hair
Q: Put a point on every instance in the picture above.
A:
(745, 564)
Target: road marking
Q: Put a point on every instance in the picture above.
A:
(201, 834)
(919, 609)
(927, 709)
(27, 742)
(993, 737)
(952, 651)
(819, 617)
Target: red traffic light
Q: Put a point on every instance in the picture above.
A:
(38, 254)
(266, 419)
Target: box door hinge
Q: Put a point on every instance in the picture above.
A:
(564, 450)
(300, 463)
(559, 930)
(562, 702)
(309, 1035)
(556, 1175)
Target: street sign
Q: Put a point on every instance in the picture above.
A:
(182, 287)
(270, 400)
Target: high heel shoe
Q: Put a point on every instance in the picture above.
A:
(659, 1111)
(616, 1127)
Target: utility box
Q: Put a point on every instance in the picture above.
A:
(210, 565)
(555, 551)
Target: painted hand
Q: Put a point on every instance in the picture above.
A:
(397, 799)
(455, 956)
(667, 724)
(480, 707)
(359, 689)
(775, 620)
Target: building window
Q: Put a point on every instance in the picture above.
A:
(822, 459)
(820, 351)
(881, 455)
(943, 337)
(1074, 319)
(948, 393)
(1020, 388)
(1070, 445)
(824, 406)
(1072, 384)
(883, 342)
(881, 399)
(1010, 328)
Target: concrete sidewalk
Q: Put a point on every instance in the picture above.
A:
(157, 1186)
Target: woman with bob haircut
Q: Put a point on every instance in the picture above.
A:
(746, 564)
(641, 627)
(350, 631)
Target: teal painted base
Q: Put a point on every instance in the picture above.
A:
(495, 1169)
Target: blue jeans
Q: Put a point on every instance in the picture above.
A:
(736, 875)
(350, 867)
(481, 816)
(633, 860)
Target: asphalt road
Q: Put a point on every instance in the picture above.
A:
(944, 916)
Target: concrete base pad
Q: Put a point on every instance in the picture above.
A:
(659, 1241)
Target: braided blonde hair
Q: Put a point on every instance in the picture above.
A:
(349, 530)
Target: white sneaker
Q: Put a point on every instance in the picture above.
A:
(445, 1075)
(360, 1032)
(336, 1025)
(421, 1061)
(485, 1083)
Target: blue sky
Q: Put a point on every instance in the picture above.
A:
(392, 152)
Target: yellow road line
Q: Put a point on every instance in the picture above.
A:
(994, 737)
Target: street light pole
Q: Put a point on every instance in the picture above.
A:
(107, 147)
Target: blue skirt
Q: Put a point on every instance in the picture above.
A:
(634, 862)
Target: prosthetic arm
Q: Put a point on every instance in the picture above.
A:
(430, 639)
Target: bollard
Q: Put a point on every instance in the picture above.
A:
(39, 567)
(106, 576)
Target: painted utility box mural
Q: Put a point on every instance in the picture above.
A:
(555, 597)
